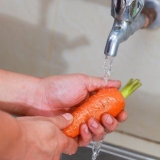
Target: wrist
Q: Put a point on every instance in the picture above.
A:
(18, 92)
(27, 96)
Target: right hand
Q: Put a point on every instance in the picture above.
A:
(42, 138)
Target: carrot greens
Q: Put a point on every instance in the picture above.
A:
(130, 87)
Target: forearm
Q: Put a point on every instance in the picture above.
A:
(10, 135)
(16, 92)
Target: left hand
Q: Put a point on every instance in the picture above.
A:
(59, 94)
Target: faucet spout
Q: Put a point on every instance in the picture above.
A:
(116, 36)
(120, 32)
(112, 46)
(126, 14)
(130, 16)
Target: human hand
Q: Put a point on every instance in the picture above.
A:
(42, 138)
(60, 94)
(93, 130)
(27, 95)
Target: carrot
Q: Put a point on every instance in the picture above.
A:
(108, 100)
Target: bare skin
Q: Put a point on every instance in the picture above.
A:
(31, 138)
(31, 96)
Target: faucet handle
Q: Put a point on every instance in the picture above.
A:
(126, 10)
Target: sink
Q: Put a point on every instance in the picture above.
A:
(108, 152)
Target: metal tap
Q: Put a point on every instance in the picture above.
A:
(130, 16)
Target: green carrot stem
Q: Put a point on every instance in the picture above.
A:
(130, 87)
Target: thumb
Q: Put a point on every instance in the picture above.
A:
(63, 121)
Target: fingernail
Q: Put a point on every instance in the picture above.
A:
(94, 124)
(68, 116)
(86, 129)
(125, 116)
(109, 120)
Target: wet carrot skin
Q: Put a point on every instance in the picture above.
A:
(108, 100)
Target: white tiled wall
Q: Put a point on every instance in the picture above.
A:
(47, 37)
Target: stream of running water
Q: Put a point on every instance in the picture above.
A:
(107, 72)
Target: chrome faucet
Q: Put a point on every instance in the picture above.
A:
(130, 16)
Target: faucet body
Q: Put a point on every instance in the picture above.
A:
(126, 10)
(128, 18)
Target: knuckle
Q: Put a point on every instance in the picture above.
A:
(100, 132)
(113, 128)
(99, 135)
(87, 139)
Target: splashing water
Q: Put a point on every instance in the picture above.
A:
(96, 149)
(107, 72)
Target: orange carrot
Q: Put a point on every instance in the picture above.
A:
(108, 100)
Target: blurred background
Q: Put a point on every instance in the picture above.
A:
(50, 37)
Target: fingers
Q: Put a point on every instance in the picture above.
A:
(97, 129)
(71, 146)
(67, 145)
(94, 130)
(109, 122)
(62, 121)
(122, 116)
(95, 83)
(86, 135)
(114, 83)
